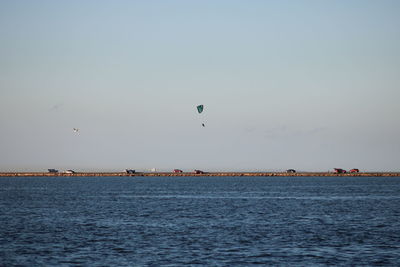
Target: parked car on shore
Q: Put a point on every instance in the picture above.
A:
(69, 171)
(178, 171)
(129, 171)
(338, 170)
(354, 170)
(198, 172)
(52, 170)
(291, 171)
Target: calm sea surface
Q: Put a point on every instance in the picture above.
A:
(200, 221)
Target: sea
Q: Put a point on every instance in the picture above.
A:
(200, 221)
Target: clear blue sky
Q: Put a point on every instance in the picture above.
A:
(310, 85)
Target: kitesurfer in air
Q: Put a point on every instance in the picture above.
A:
(200, 109)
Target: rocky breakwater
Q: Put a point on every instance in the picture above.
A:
(187, 174)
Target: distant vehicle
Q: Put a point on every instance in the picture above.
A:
(52, 170)
(354, 170)
(178, 171)
(291, 171)
(129, 171)
(198, 172)
(69, 171)
(338, 170)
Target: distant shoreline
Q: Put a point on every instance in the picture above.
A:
(189, 174)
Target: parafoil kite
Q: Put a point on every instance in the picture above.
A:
(200, 108)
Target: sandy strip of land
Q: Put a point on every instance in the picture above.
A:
(221, 174)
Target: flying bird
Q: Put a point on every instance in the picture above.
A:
(76, 130)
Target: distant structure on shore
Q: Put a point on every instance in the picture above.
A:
(339, 170)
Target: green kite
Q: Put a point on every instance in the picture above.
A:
(200, 108)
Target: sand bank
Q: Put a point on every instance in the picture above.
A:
(221, 174)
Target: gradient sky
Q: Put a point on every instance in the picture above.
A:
(309, 85)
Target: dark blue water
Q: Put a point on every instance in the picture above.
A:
(199, 221)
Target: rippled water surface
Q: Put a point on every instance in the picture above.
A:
(199, 221)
